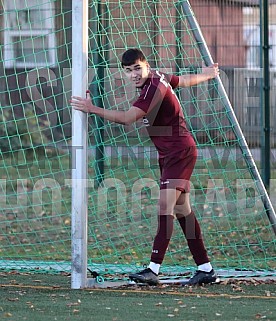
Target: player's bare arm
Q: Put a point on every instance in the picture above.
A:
(118, 116)
(208, 73)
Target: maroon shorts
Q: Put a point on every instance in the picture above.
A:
(176, 170)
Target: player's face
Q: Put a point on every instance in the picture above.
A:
(138, 72)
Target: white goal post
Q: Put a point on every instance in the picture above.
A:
(79, 145)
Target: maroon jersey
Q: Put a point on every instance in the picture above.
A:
(164, 120)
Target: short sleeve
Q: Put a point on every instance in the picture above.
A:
(173, 80)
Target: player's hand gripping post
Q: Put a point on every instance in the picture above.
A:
(83, 104)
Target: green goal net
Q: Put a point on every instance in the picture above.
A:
(37, 153)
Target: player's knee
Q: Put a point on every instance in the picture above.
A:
(165, 207)
(182, 210)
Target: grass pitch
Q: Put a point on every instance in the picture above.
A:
(49, 297)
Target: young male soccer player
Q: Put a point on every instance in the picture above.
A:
(162, 115)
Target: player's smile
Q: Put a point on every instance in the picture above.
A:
(138, 72)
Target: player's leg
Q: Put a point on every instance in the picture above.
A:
(192, 231)
(167, 201)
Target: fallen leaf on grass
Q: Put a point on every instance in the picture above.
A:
(12, 299)
(225, 282)
(73, 304)
(236, 288)
(30, 304)
(247, 281)
(260, 316)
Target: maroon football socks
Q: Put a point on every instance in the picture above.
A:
(192, 231)
(162, 238)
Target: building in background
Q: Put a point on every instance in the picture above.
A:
(36, 44)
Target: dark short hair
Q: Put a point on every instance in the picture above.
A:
(131, 55)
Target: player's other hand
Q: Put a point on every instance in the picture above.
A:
(211, 71)
(83, 104)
